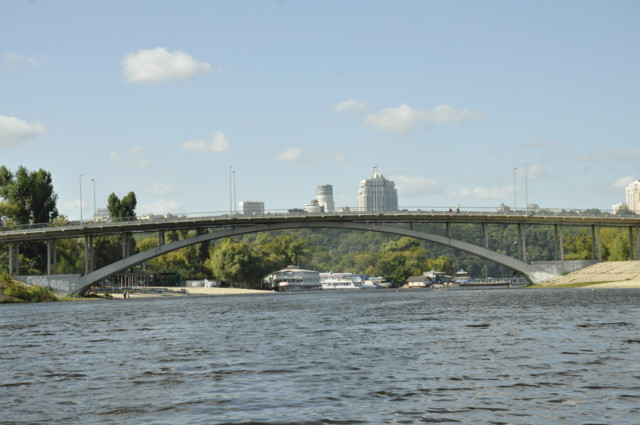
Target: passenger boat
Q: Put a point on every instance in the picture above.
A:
(293, 279)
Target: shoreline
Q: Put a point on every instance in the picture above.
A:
(169, 291)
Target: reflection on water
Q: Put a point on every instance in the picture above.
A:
(362, 357)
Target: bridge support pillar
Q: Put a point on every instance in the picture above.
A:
(52, 257)
(161, 237)
(596, 242)
(522, 248)
(631, 248)
(637, 243)
(125, 245)
(559, 242)
(14, 258)
(485, 235)
(92, 254)
(86, 254)
(448, 226)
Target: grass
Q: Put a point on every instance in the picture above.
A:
(14, 291)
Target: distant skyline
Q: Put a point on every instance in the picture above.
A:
(452, 101)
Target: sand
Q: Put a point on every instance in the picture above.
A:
(156, 292)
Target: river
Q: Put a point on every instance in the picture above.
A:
(363, 357)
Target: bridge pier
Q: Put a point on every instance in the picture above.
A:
(485, 235)
(14, 259)
(596, 242)
(522, 249)
(631, 248)
(52, 257)
(637, 243)
(161, 237)
(125, 245)
(559, 242)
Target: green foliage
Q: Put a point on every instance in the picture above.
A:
(25, 293)
(125, 208)
(28, 196)
(236, 263)
(578, 246)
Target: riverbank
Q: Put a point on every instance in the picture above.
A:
(605, 275)
(167, 291)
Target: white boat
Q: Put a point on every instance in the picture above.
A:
(336, 283)
(293, 279)
(339, 281)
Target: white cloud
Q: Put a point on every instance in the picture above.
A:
(350, 105)
(159, 207)
(218, 143)
(340, 157)
(623, 182)
(14, 131)
(14, 61)
(131, 161)
(291, 155)
(159, 65)
(160, 189)
(484, 193)
(403, 118)
(414, 186)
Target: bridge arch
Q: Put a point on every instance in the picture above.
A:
(532, 273)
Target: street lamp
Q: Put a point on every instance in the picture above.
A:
(515, 208)
(230, 190)
(526, 189)
(80, 200)
(94, 200)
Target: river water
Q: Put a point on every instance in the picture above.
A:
(362, 357)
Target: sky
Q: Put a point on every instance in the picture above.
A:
(193, 105)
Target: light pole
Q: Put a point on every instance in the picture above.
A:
(526, 189)
(235, 200)
(94, 200)
(515, 208)
(80, 200)
(230, 190)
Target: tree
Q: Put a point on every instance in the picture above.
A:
(125, 208)
(235, 262)
(28, 196)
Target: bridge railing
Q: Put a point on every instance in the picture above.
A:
(7, 227)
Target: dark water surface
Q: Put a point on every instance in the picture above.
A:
(362, 357)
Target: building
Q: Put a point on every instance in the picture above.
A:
(250, 208)
(620, 208)
(633, 197)
(377, 194)
(324, 195)
(313, 207)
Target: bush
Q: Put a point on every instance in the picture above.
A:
(24, 292)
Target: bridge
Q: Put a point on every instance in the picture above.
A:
(210, 228)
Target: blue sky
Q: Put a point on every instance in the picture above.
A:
(447, 98)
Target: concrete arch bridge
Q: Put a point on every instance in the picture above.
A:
(228, 226)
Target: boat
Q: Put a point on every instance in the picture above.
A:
(336, 282)
(293, 279)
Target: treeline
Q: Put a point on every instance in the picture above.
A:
(28, 197)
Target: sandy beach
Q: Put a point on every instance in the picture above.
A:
(161, 291)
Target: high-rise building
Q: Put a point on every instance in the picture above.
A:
(324, 195)
(633, 196)
(377, 194)
(251, 208)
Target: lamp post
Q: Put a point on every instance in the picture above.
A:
(515, 208)
(94, 200)
(80, 200)
(526, 189)
(235, 200)
(230, 190)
